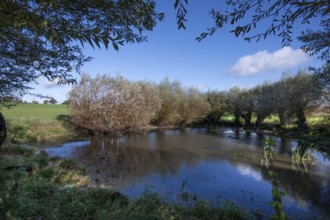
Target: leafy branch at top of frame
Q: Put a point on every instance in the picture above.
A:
(96, 23)
(180, 6)
(281, 14)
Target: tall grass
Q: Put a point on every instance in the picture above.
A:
(277, 194)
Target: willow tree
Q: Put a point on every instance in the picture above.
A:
(218, 105)
(45, 38)
(234, 103)
(247, 106)
(263, 102)
(303, 93)
(192, 107)
(170, 94)
(112, 105)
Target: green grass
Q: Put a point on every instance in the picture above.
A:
(273, 119)
(37, 122)
(32, 112)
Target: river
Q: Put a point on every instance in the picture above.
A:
(187, 165)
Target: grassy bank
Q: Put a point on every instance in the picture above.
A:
(38, 187)
(37, 122)
(40, 123)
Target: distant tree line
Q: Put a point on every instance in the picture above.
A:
(115, 105)
(11, 101)
(51, 100)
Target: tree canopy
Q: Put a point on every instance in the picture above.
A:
(52, 101)
(44, 38)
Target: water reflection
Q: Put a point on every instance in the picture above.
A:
(216, 166)
(123, 164)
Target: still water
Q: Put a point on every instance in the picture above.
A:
(194, 164)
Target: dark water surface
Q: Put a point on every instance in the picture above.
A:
(194, 164)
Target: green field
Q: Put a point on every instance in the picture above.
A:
(37, 123)
(31, 112)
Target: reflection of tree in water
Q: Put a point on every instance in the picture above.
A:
(121, 163)
(284, 146)
(165, 152)
(306, 188)
(253, 138)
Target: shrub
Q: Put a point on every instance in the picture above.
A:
(179, 105)
(112, 104)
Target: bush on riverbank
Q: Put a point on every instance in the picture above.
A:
(38, 187)
(115, 105)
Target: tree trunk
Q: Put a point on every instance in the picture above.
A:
(260, 120)
(3, 129)
(213, 118)
(247, 118)
(302, 125)
(282, 119)
(237, 119)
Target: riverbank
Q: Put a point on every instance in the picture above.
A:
(40, 123)
(41, 187)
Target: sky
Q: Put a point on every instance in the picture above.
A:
(218, 62)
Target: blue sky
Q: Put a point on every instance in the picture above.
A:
(218, 62)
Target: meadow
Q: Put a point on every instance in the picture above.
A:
(34, 112)
(37, 123)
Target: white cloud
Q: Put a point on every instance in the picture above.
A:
(263, 61)
(51, 84)
(247, 171)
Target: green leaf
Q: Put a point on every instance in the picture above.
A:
(97, 42)
(89, 40)
(176, 3)
(115, 46)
